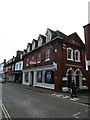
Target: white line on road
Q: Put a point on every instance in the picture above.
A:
(5, 110)
(75, 115)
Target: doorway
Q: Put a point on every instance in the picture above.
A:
(77, 78)
(31, 77)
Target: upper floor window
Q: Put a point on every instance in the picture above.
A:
(39, 58)
(16, 66)
(77, 55)
(28, 49)
(21, 56)
(19, 65)
(69, 54)
(12, 67)
(39, 41)
(48, 54)
(27, 61)
(48, 38)
(33, 57)
(33, 45)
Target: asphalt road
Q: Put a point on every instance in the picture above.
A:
(24, 103)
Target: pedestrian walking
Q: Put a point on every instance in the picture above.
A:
(73, 89)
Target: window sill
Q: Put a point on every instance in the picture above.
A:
(39, 62)
(70, 59)
(77, 61)
(47, 60)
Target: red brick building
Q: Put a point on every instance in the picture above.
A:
(87, 49)
(54, 60)
(9, 69)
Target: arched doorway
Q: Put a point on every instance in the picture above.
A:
(77, 78)
(70, 74)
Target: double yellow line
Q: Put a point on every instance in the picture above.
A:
(4, 110)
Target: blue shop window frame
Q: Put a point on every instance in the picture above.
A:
(26, 76)
(49, 77)
(39, 76)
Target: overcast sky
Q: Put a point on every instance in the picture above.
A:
(21, 21)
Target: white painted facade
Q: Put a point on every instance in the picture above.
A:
(1, 69)
(32, 76)
(18, 65)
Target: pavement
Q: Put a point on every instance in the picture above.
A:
(83, 96)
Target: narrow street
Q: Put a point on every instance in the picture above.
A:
(25, 103)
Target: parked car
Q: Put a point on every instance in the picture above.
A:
(2, 80)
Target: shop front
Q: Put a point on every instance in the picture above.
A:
(40, 76)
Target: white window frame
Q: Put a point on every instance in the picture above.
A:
(27, 61)
(39, 41)
(47, 55)
(17, 66)
(71, 54)
(49, 36)
(77, 51)
(33, 45)
(20, 66)
(28, 49)
(39, 58)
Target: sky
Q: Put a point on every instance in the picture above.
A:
(21, 21)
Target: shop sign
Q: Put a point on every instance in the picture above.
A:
(32, 62)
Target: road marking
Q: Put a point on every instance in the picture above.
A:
(4, 110)
(75, 115)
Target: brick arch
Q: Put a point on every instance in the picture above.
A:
(78, 77)
(70, 76)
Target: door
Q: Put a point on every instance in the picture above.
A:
(77, 78)
(31, 77)
(69, 78)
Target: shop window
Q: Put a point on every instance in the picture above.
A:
(39, 76)
(26, 76)
(49, 77)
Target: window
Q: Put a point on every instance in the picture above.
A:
(26, 76)
(48, 54)
(12, 67)
(27, 61)
(28, 49)
(39, 41)
(39, 76)
(69, 53)
(19, 65)
(77, 55)
(39, 58)
(49, 77)
(32, 57)
(21, 56)
(16, 66)
(33, 45)
(48, 38)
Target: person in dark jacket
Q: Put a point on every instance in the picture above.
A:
(73, 89)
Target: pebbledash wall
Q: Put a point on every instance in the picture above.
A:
(54, 60)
